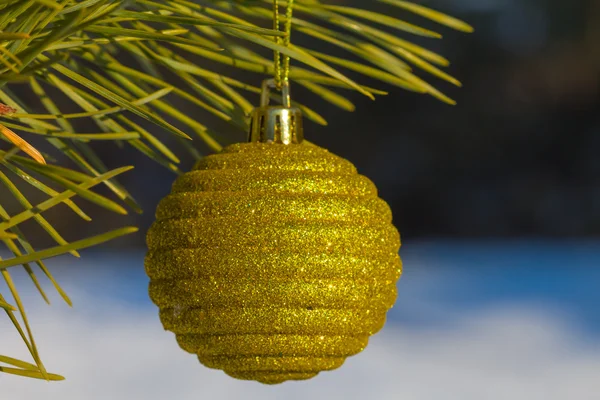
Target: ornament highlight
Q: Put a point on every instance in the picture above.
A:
(273, 261)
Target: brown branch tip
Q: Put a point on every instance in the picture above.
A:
(5, 110)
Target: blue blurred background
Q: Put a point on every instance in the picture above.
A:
(498, 202)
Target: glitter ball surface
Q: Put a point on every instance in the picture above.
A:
(273, 262)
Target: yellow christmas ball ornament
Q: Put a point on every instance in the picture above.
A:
(273, 261)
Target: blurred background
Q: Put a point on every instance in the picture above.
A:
(498, 202)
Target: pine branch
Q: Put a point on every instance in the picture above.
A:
(116, 62)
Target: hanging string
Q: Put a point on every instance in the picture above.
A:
(282, 62)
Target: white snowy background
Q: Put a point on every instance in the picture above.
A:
(473, 321)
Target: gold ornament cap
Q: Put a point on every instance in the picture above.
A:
(276, 124)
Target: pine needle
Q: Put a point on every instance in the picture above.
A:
(22, 144)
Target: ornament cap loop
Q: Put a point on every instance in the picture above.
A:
(276, 124)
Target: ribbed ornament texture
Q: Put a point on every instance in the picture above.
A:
(273, 262)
